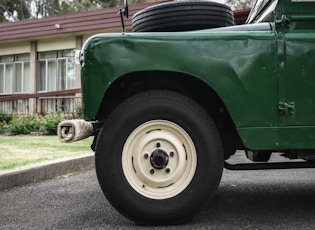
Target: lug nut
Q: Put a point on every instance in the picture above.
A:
(158, 145)
(171, 154)
(168, 170)
(146, 155)
(151, 171)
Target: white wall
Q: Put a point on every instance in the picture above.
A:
(14, 48)
(56, 44)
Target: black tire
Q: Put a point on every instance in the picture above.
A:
(117, 164)
(182, 16)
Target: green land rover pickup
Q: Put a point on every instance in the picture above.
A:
(169, 107)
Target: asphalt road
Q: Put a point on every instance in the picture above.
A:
(274, 199)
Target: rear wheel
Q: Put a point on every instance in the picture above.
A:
(182, 16)
(159, 157)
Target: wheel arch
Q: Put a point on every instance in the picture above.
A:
(188, 85)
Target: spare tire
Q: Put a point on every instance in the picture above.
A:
(182, 16)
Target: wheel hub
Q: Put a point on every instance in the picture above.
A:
(159, 159)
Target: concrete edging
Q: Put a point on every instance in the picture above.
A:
(44, 171)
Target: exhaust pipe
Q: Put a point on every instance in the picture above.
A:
(74, 130)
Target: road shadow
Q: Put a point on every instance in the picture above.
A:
(279, 199)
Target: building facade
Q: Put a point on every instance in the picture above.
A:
(38, 72)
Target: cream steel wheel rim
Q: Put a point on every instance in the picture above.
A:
(159, 159)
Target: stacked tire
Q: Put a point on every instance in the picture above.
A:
(182, 16)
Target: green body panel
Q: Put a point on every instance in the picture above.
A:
(299, 77)
(278, 138)
(224, 60)
(252, 68)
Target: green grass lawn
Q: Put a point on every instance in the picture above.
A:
(16, 151)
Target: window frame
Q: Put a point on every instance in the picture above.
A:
(59, 57)
(11, 79)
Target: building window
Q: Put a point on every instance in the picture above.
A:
(17, 106)
(59, 105)
(6, 107)
(14, 73)
(56, 70)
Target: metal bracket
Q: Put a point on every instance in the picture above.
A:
(286, 108)
(284, 22)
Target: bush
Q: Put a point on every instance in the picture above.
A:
(23, 124)
(50, 122)
(2, 127)
(5, 118)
